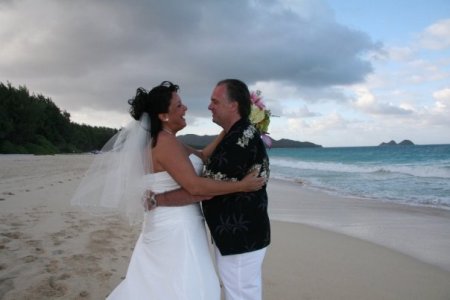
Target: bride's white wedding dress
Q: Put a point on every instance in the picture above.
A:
(171, 259)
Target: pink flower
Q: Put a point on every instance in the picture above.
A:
(256, 99)
(267, 140)
(260, 117)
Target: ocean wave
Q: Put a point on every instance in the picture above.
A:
(416, 195)
(382, 171)
(429, 171)
(418, 176)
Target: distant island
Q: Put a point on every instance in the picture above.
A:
(402, 143)
(200, 141)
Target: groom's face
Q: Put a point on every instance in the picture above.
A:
(220, 106)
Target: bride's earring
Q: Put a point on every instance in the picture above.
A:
(163, 117)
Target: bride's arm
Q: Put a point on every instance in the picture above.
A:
(177, 197)
(171, 156)
(208, 150)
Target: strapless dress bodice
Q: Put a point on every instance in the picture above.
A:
(162, 181)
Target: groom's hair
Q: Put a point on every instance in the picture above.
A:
(238, 91)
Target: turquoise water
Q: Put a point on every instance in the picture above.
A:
(417, 175)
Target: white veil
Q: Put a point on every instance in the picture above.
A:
(114, 183)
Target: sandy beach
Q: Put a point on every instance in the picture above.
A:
(323, 246)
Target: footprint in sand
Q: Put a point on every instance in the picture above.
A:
(124, 248)
(104, 275)
(13, 235)
(29, 258)
(71, 215)
(16, 224)
(84, 294)
(57, 243)
(81, 264)
(48, 288)
(8, 193)
(64, 276)
(101, 241)
(57, 252)
(57, 236)
(52, 267)
(73, 226)
(34, 243)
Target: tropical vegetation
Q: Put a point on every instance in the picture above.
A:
(33, 124)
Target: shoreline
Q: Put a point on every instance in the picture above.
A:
(307, 262)
(50, 250)
(421, 232)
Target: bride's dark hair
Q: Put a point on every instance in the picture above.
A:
(154, 102)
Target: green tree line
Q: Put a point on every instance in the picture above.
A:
(34, 124)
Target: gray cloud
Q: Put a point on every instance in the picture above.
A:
(384, 109)
(96, 53)
(302, 112)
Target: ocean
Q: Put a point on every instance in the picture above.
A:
(415, 175)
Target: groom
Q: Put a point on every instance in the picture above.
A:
(238, 222)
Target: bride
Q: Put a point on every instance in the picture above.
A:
(171, 258)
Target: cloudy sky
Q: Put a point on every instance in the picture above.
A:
(337, 73)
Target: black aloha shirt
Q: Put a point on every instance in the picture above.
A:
(238, 222)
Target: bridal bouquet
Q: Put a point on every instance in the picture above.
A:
(260, 117)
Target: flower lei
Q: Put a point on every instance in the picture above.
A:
(260, 117)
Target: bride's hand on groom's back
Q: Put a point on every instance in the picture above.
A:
(251, 182)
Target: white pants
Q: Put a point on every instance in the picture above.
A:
(241, 274)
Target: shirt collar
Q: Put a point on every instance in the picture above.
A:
(241, 123)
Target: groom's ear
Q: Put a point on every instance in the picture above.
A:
(234, 106)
